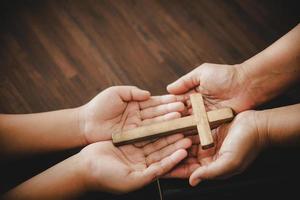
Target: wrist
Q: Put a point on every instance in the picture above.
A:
(243, 80)
(89, 176)
(252, 84)
(81, 124)
(80, 172)
(261, 122)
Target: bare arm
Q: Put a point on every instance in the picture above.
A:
(280, 126)
(249, 84)
(41, 132)
(102, 166)
(270, 72)
(62, 181)
(114, 109)
(242, 140)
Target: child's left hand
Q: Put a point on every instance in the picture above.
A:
(104, 167)
(125, 107)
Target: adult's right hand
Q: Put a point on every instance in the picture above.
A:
(236, 145)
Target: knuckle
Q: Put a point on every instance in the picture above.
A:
(149, 160)
(112, 88)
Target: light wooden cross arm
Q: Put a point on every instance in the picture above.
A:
(201, 120)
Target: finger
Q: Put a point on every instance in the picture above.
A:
(185, 83)
(158, 169)
(168, 150)
(188, 103)
(182, 171)
(131, 93)
(130, 126)
(191, 160)
(161, 143)
(195, 139)
(144, 143)
(193, 151)
(222, 166)
(162, 110)
(166, 117)
(159, 100)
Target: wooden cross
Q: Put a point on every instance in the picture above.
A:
(200, 119)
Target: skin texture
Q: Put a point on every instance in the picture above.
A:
(241, 87)
(220, 85)
(114, 109)
(238, 143)
(249, 84)
(128, 108)
(135, 166)
(102, 166)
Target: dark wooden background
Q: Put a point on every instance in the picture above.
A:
(59, 54)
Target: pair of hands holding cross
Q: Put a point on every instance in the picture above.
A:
(140, 163)
(241, 87)
(130, 107)
(229, 156)
(102, 166)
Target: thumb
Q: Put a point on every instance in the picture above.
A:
(132, 93)
(222, 167)
(185, 83)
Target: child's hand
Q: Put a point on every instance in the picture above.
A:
(125, 107)
(236, 146)
(128, 167)
(102, 166)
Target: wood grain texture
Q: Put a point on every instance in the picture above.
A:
(152, 131)
(202, 122)
(59, 54)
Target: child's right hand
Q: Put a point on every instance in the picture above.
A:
(125, 107)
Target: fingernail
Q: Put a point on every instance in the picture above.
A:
(146, 91)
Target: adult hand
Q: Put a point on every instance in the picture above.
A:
(220, 85)
(125, 107)
(129, 167)
(236, 146)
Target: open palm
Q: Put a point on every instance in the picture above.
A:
(126, 168)
(220, 85)
(124, 107)
(236, 146)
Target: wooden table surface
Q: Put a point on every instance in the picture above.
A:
(59, 54)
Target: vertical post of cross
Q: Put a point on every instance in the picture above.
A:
(201, 119)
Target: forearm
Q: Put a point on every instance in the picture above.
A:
(274, 69)
(280, 126)
(41, 132)
(62, 181)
